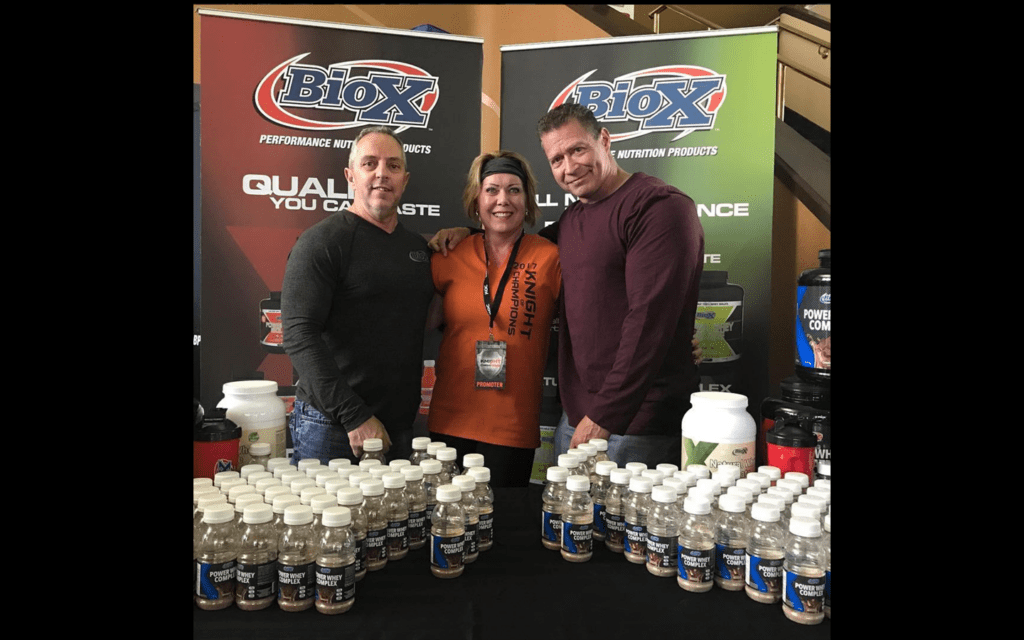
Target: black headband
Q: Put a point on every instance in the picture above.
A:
(503, 164)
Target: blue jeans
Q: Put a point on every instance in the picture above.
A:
(651, 450)
(314, 435)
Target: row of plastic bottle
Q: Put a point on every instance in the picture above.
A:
(304, 535)
(765, 534)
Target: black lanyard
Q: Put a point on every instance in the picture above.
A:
(489, 306)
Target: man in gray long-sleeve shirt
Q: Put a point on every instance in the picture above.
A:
(632, 252)
(354, 303)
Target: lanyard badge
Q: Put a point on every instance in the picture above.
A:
(491, 355)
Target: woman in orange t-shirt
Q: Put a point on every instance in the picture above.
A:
(499, 294)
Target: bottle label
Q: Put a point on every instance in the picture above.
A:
(636, 538)
(485, 530)
(662, 551)
(600, 526)
(551, 526)
(377, 545)
(471, 545)
(616, 524)
(417, 526)
(335, 584)
(814, 327)
(215, 580)
(295, 582)
(828, 589)
(696, 565)
(714, 455)
(729, 561)
(719, 328)
(398, 536)
(361, 555)
(447, 552)
(803, 593)
(764, 574)
(256, 581)
(578, 537)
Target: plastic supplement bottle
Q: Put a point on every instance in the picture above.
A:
(216, 553)
(296, 556)
(417, 495)
(663, 533)
(396, 504)
(256, 576)
(763, 572)
(431, 481)
(376, 524)
(484, 496)
(598, 492)
(336, 563)
(419, 450)
(803, 577)
(447, 533)
(637, 510)
(352, 497)
(602, 448)
(577, 543)
(696, 546)
(449, 465)
(551, 507)
(467, 485)
(373, 449)
(827, 541)
(614, 509)
(732, 535)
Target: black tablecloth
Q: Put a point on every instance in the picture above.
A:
(518, 589)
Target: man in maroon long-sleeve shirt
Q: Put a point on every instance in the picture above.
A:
(632, 250)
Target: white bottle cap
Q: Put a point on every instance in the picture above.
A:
(366, 465)
(288, 475)
(802, 478)
(218, 513)
(765, 512)
(704, 493)
(379, 471)
(430, 467)
(674, 483)
(472, 460)
(306, 463)
(696, 505)
(446, 454)
(256, 476)
(620, 476)
(250, 468)
(244, 500)
(274, 491)
(228, 483)
(448, 493)
(350, 496)
(355, 478)
(371, 488)
(794, 486)
(761, 478)
(806, 527)
(636, 468)
(308, 493)
(201, 482)
(604, 467)
(464, 483)
(420, 443)
(302, 483)
(238, 490)
(753, 486)
(480, 474)
(589, 449)
(335, 485)
(323, 501)
(569, 460)
(600, 443)
(653, 475)
(577, 483)
(557, 474)
(711, 485)
(345, 472)
(718, 399)
(817, 501)
(398, 464)
(257, 513)
(434, 447)
(828, 522)
(260, 449)
(732, 503)
(210, 490)
(393, 480)
(336, 517)
(699, 470)
(219, 478)
(824, 467)
(689, 477)
(274, 463)
(667, 468)
(313, 470)
(773, 500)
(729, 471)
(373, 444)
(298, 514)
(664, 494)
(824, 493)
(782, 492)
(412, 473)
(805, 510)
(772, 472)
(824, 483)
(640, 484)
(338, 463)
(282, 502)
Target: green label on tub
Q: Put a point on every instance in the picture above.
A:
(713, 454)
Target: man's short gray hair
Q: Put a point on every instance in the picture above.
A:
(376, 129)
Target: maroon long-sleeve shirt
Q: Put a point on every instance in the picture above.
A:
(631, 267)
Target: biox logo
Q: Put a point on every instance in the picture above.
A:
(376, 92)
(681, 98)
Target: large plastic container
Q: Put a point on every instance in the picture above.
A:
(254, 406)
(717, 430)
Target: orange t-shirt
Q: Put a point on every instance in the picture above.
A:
(509, 416)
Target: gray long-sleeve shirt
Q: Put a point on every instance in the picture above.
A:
(354, 302)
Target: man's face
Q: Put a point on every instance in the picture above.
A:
(377, 175)
(580, 164)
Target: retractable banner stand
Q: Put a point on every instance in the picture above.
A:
(283, 100)
(696, 110)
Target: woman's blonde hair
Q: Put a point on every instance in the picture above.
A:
(473, 182)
